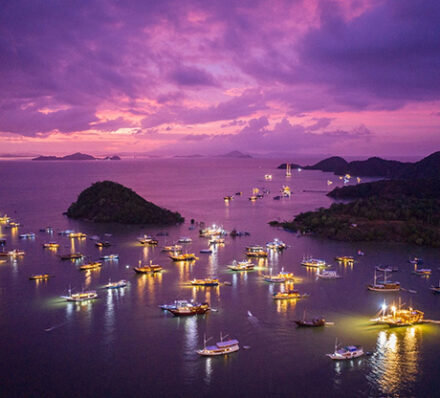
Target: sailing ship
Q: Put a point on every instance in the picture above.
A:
(183, 257)
(220, 348)
(397, 316)
(147, 269)
(241, 266)
(383, 286)
(187, 309)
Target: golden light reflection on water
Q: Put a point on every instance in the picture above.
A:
(146, 284)
(185, 268)
(284, 306)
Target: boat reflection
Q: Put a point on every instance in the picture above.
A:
(146, 283)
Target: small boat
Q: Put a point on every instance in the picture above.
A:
(345, 259)
(313, 262)
(422, 271)
(190, 309)
(228, 198)
(51, 245)
(383, 286)
(268, 177)
(116, 285)
(220, 348)
(83, 296)
(77, 235)
(103, 244)
(71, 256)
(290, 294)
(206, 251)
(217, 241)
(147, 269)
(89, 266)
(382, 268)
(183, 257)
(29, 235)
(435, 289)
(276, 244)
(277, 197)
(13, 224)
(348, 352)
(256, 251)
(184, 240)
(253, 198)
(360, 253)
(147, 240)
(172, 248)
(241, 266)
(205, 282)
(327, 274)
(39, 277)
(286, 192)
(110, 257)
(312, 323)
(66, 232)
(214, 230)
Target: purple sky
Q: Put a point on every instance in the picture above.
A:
(348, 77)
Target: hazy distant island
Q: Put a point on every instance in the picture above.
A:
(235, 154)
(76, 156)
(429, 167)
(386, 210)
(107, 201)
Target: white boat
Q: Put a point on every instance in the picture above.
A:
(382, 268)
(29, 235)
(83, 296)
(268, 177)
(116, 285)
(276, 244)
(185, 240)
(313, 262)
(110, 257)
(220, 348)
(327, 274)
(241, 266)
(347, 352)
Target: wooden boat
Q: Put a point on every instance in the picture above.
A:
(256, 251)
(345, 259)
(103, 244)
(220, 348)
(281, 277)
(313, 262)
(190, 309)
(71, 256)
(39, 277)
(51, 245)
(422, 271)
(347, 352)
(176, 304)
(116, 285)
(89, 266)
(147, 269)
(384, 286)
(183, 257)
(241, 266)
(396, 316)
(205, 282)
(290, 294)
(173, 248)
(148, 240)
(83, 296)
(312, 323)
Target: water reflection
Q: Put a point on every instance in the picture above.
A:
(396, 361)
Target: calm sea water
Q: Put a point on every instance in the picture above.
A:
(122, 344)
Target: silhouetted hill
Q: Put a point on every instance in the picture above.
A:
(335, 164)
(75, 156)
(234, 154)
(109, 201)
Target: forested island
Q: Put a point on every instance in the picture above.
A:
(387, 210)
(108, 201)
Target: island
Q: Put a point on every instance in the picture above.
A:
(110, 202)
(386, 210)
(235, 154)
(76, 156)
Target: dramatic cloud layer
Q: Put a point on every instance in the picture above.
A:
(356, 76)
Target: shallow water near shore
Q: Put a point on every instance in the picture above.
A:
(122, 344)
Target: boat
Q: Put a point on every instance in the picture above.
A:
(241, 266)
(220, 348)
(83, 296)
(290, 294)
(176, 304)
(77, 235)
(416, 261)
(116, 285)
(103, 244)
(228, 198)
(216, 241)
(286, 192)
(147, 240)
(147, 269)
(288, 170)
(347, 352)
(382, 268)
(313, 262)
(89, 266)
(205, 282)
(172, 248)
(39, 277)
(383, 286)
(16, 253)
(184, 239)
(183, 257)
(66, 232)
(268, 177)
(324, 274)
(12, 224)
(397, 316)
(51, 245)
(360, 253)
(29, 235)
(422, 271)
(189, 309)
(253, 198)
(276, 244)
(110, 257)
(71, 256)
(345, 259)
(281, 277)
(435, 289)
(256, 251)
(312, 323)
(213, 230)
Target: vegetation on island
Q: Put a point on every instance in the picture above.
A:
(76, 156)
(108, 201)
(391, 210)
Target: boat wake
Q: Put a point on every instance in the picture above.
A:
(54, 327)
(253, 319)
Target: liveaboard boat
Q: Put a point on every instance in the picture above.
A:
(66, 232)
(397, 316)
(422, 271)
(385, 285)
(313, 262)
(256, 251)
(116, 285)
(347, 352)
(183, 257)
(345, 259)
(176, 304)
(83, 296)
(324, 274)
(147, 269)
(105, 243)
(147, 240)
(276, 244)
(241, 266)
(205, 282)
(281, 277)
(111, 257)
(77, 235)
(290, 294)
(39, 277)
(173, 248)
(51, 245)
(188, 309)
(222, 347)
(71, 256)
(91, 265)
(16, 253)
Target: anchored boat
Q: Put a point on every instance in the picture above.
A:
(183, 257)
(256, 251)
(187, 309)
(220, 348)
(83, 296)
(39, 277)
(241, 266)
(397, 316)
(313, 262)
(147, 269)
(89, 266)
(205, 282)
(116, 285)
(347, 352)
(383, 286)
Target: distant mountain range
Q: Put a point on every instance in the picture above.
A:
(76, 156)
(428, 167)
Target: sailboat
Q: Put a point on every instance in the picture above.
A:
(385, 285)
(220, 348)
(288, 170)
